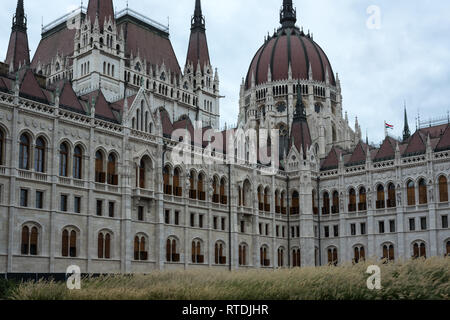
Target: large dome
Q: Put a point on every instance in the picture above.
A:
(289, 45)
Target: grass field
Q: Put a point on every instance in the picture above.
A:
(418, 279)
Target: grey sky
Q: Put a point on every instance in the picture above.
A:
(407, 59)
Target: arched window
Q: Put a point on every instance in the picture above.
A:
(24, 152)
(140, 251)
(391, 203)
(197, 256)
(295, 203)
(265, 262)
(283, 201)
(326, 204)
(422, 192)
(443, 189)
(63, 160)
(99, 171)
(104, 245)
(219, 257)
(362, 205)
(223, 197)
(448, 248)
(216, 196)
(388, 252)
(201, 193)
(380, 197)
(192, 191)
(29, 245)
(242, 254)
(39, 155)
(69, 243)
(171, 251)
(112, 176)
(360, 254)
(314, 200)
(280, 257)
(177, 191)
(166, 178)
(266, 200)
(352, 200)
(411, 193)
(77, 162)
(260, 198)
(296, 258)
(335, 207)
(2, 146)
(419, 250)
(332, 256)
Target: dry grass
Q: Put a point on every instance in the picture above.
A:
(419, 279)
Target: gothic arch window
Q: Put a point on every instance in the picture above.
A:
(140, 248)
(172, 254)
(283, 202)
(422, 192)
(200, 187)
(333, 133)
(77, 162)
(411, 193)
(111, 170)
(352, 200)
(39, 155)
(243, 249)
(30, 238)
(63, 160)
(362, 205)
(142, 173)
(104, 245)
(388, 252)
(69, 243)
(197, 256)
(326, 203)
(260, 198)
(24, 152)
(177, 190)
(99, 167)
(332, 256)
(443, 189)
(267, 199)
(166, 178)
(335, 207)
(277, 202)
(296, 258)
(219, 253)
(280, 257)
(264, 260)
(2, 146)
(447, 248)
(359, 254)
(223, 193)
(391, 203)
(381, 204)
(419, 250)
(295, 203)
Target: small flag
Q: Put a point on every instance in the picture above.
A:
(388, 126)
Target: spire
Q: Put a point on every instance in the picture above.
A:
(18, 53)
(288, 14)
(198, 53)
(103, 9)
(300, 113)
(406, 131)
(198, 20)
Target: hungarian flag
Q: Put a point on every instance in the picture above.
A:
(388, 126)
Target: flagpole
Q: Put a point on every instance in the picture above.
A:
(385, 129)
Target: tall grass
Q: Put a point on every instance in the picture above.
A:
(418, 279)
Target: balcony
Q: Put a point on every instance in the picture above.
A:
(391, 203)
(193, 194)
(295, 211)
(380, 204)
(326, 210)
(224, 200)
(216, 198)
(143, 193)
(362, 206)
(202, 196)
(267, 207)
(113, 179)
(335, 209)
(352, 207)
(178, 192)
(168, 190)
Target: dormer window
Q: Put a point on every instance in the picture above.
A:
(185, 86)
(137, 67)
(163, 76)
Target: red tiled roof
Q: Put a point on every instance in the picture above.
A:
(103, 8)
(416, 145)
(358, 155)
(60, 42)
(444, 141)
(295, 48)
(387, 149)
(102, 107)
(153, 47)
(18, 51)
(198, 49)
(301, 137)
(332, 160)
(29, 87)
(69, 99)
(435, 131)
(166, 123)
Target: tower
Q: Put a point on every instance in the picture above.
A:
(18, 53)
(288, 15)
(406, 131)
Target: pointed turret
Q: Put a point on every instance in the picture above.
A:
(406, 131)
(18, 53)
(288, 14)
(198, 52)
(300, 134)
(103, 9)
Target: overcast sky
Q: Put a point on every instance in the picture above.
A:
(407, 59)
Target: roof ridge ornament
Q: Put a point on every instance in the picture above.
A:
(288, 14)
(198, 20)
